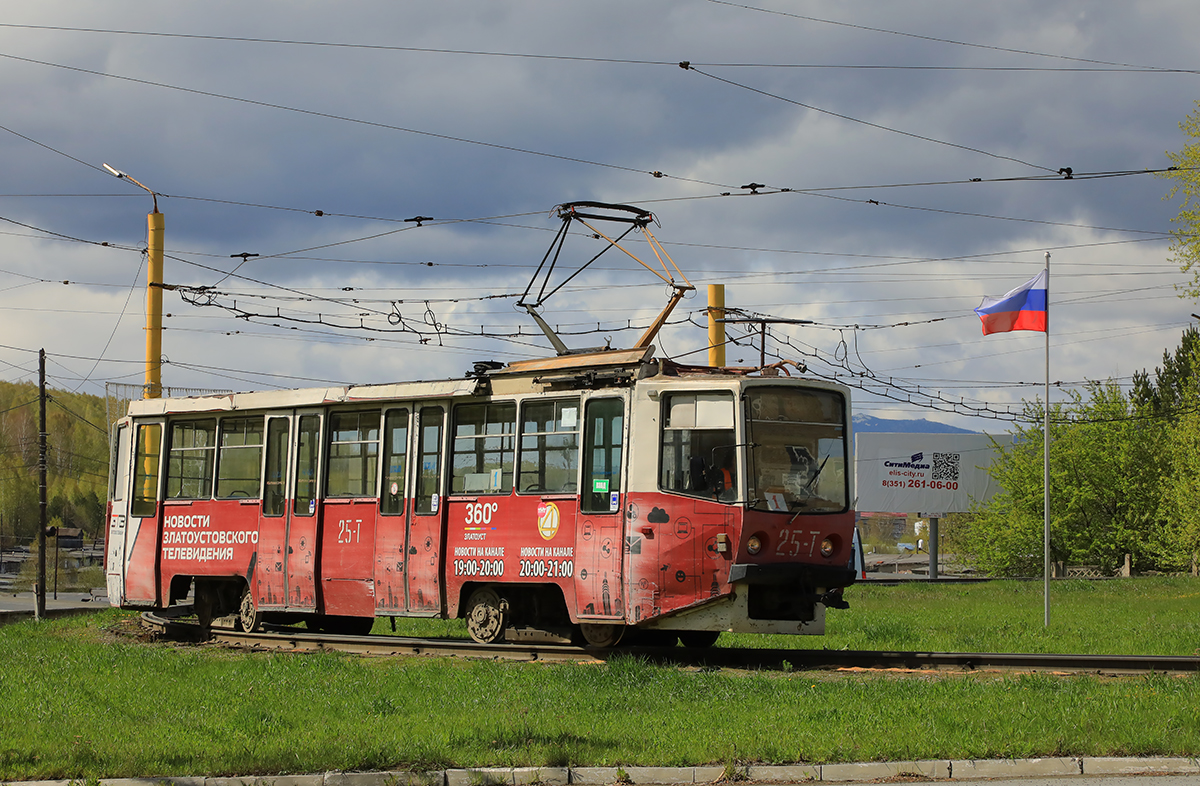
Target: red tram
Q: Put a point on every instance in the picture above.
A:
(591, 494)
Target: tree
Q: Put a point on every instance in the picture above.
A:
(77, 460)
(1186, 176)
(1106, 468)
(1173, 381)
(1174, 394)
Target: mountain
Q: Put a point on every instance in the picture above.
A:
(869, 423)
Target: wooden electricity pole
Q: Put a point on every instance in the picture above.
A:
(40, 590)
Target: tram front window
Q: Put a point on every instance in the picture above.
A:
(798, 450)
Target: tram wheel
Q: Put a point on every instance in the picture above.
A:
(487, 616)
(698, 638)
(249, 617)
(604, 636)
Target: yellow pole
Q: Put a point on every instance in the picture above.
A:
(155, 224)
(716, 330)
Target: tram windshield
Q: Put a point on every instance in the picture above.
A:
(797, 450)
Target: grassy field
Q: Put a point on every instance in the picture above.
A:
(84, 698)
(1143, 616)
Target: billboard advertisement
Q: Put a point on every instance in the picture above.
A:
(924, 473)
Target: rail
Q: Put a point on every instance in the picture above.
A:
(292, 640)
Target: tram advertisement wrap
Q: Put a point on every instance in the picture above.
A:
(917, 472)
(193, 538)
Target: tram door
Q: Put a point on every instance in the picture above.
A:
(270, 579)
(391, 536)
(134, 542)
(300, 550)
(350, 513)
(426, 514)
(598, 533)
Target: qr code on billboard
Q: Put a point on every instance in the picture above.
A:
(945, 466)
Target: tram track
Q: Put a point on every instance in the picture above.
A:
(283, 639)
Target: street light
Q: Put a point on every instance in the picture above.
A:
(155, 226)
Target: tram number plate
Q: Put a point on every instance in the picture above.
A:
(479, 567)
(547, 568)
(349, 531)
(792, 543)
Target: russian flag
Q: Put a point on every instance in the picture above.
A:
(1024, 308)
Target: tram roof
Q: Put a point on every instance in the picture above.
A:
(532, 376)
(305, 397)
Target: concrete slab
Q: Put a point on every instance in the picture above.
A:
(548, 776)
(784, 773)
(714, 774)
(365, 778)
(317, 779)
(246, 781)
(386, 778)
(429, 778)
(164, 781)
(1012, 768)
(882, 770)
(480, 776)
(1128, 765)
(594, 776)
(660, 775)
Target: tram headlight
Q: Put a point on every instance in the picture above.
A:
(754, 544)
(827, 548)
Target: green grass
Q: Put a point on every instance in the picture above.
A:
(1140, 616)
(82, 702)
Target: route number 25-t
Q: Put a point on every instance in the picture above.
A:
(349, 530)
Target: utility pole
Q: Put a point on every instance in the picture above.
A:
(716, 327)
(762, 323)
(155, 227)
(40, 590)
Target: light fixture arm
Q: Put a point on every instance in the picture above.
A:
(122, 176)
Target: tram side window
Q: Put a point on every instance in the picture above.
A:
(239, 459)
(353, 453)
(549, 446)
(698, 445)
(275, 490)
(395, 461)
(429, 453)
(145, 470)
(190, 460)
(308, 440)
(604, 428)
(484, 446)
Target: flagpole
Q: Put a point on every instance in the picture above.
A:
(1046, 451)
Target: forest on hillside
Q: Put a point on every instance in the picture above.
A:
(76, 459)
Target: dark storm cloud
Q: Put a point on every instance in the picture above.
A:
(364, 134)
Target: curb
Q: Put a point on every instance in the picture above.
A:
(935, 769)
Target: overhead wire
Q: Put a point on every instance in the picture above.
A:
(937, 39)
(869, 124)
(1105, 66)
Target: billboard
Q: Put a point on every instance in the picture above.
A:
(916, 473)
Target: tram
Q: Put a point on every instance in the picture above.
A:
(595, 495)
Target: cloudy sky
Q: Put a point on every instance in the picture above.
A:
(909, 156)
